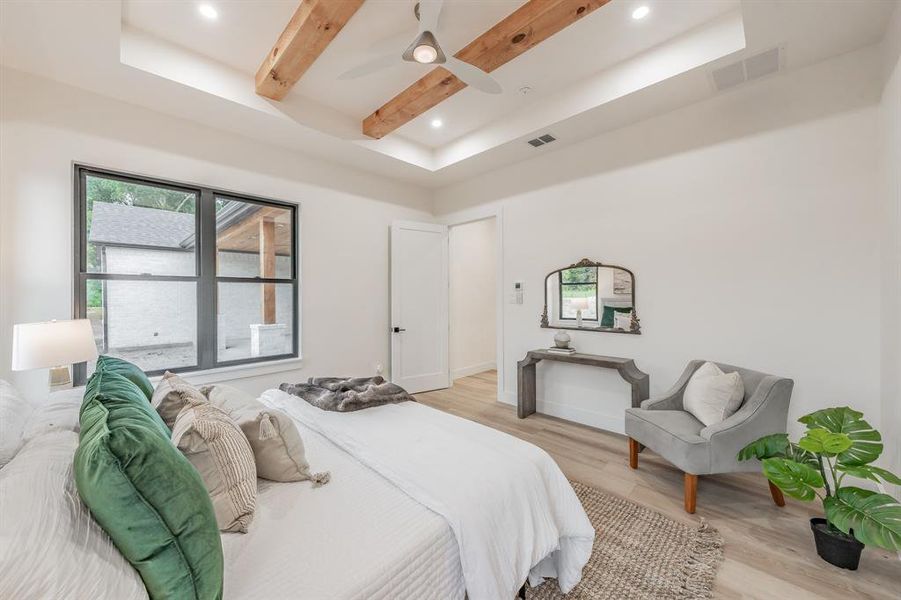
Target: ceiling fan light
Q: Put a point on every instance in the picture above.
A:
(424, 50)
(425, 54)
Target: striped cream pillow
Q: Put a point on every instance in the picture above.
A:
(220, 452)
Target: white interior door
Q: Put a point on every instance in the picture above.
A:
(419, 306)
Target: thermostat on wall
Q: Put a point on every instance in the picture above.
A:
(516, 296)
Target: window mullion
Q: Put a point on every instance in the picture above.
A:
(207, 324)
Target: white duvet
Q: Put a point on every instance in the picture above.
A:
(512, 511)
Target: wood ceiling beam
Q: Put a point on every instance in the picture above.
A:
(524, 28)
(244, 235)
(312, 28)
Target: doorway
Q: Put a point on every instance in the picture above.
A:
(473, 248)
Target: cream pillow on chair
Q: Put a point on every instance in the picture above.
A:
(712, 395)
(219, 451)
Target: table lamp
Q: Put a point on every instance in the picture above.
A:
(53, 344)
(579, 304)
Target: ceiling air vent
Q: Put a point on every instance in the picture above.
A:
(541, 140)
(753, 67)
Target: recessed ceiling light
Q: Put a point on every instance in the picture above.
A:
(436, 123)
(641, 12)
(207, 11)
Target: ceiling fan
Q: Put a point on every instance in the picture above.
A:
(426, 50)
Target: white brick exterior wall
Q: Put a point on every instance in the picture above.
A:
(142, 313)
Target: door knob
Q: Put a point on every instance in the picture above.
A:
(398, 329)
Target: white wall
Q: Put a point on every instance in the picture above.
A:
(472, 266)
(345, 216)
(749, 221)
(890, 128)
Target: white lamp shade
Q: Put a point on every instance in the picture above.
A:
(579, 303)
(52, 344)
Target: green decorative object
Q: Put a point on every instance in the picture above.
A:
(144, 492)
(607, 316)
(838, 443)
(129, 371)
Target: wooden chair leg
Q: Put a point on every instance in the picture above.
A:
(633, 453)
(778, 498)
(691, 493)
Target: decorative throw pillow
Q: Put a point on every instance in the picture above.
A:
(712, 395)
(145, 494)
(610, 311)
(14, 412)
(219, 451)
(171, 395)
(51, 546)
(277, 446)
(59, 413)
(129, 371)
(622, 320)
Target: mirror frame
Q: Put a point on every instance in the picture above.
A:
(636, 323)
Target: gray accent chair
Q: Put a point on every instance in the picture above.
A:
(665, 427)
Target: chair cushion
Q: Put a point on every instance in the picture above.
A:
(712, 395)
(129, 371)
(145, 493)
(673, 434)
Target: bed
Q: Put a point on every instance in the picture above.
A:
(421, 504)
(372, 541)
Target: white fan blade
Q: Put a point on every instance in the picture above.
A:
(371, 66)
(429, 11)
(472, 76)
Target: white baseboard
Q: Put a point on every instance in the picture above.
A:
(472, 370)
(592, 418)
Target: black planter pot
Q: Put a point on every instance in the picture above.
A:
(834, 546)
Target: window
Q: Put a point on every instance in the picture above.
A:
(579, 290)
(179, 277)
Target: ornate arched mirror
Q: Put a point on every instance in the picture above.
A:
(590, 296)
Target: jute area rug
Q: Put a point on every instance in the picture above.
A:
(639, 553)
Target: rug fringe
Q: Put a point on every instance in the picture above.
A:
(704, 558)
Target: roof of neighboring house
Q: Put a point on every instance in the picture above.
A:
(138, 226)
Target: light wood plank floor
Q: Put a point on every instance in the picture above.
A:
(769, 551)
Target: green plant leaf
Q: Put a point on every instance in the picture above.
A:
(874, 518)
(799, 455)
(870, 472)
(866, 442)
(820, 441)
(769, 446)
(795, 479)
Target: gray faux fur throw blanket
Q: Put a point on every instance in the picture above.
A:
(345, 394)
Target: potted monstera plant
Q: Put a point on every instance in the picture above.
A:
(838, 445)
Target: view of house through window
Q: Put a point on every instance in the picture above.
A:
(175, 277)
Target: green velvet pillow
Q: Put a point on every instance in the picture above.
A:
(127, 370)
(607, 317)
(145, 494)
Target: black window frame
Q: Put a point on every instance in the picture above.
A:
(597, 298)
(205, 277)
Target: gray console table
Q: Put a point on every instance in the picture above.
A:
(525, 384)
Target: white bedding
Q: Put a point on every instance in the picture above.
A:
(356, 538)
(364, 535)
(512, 511)
(50, 547)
